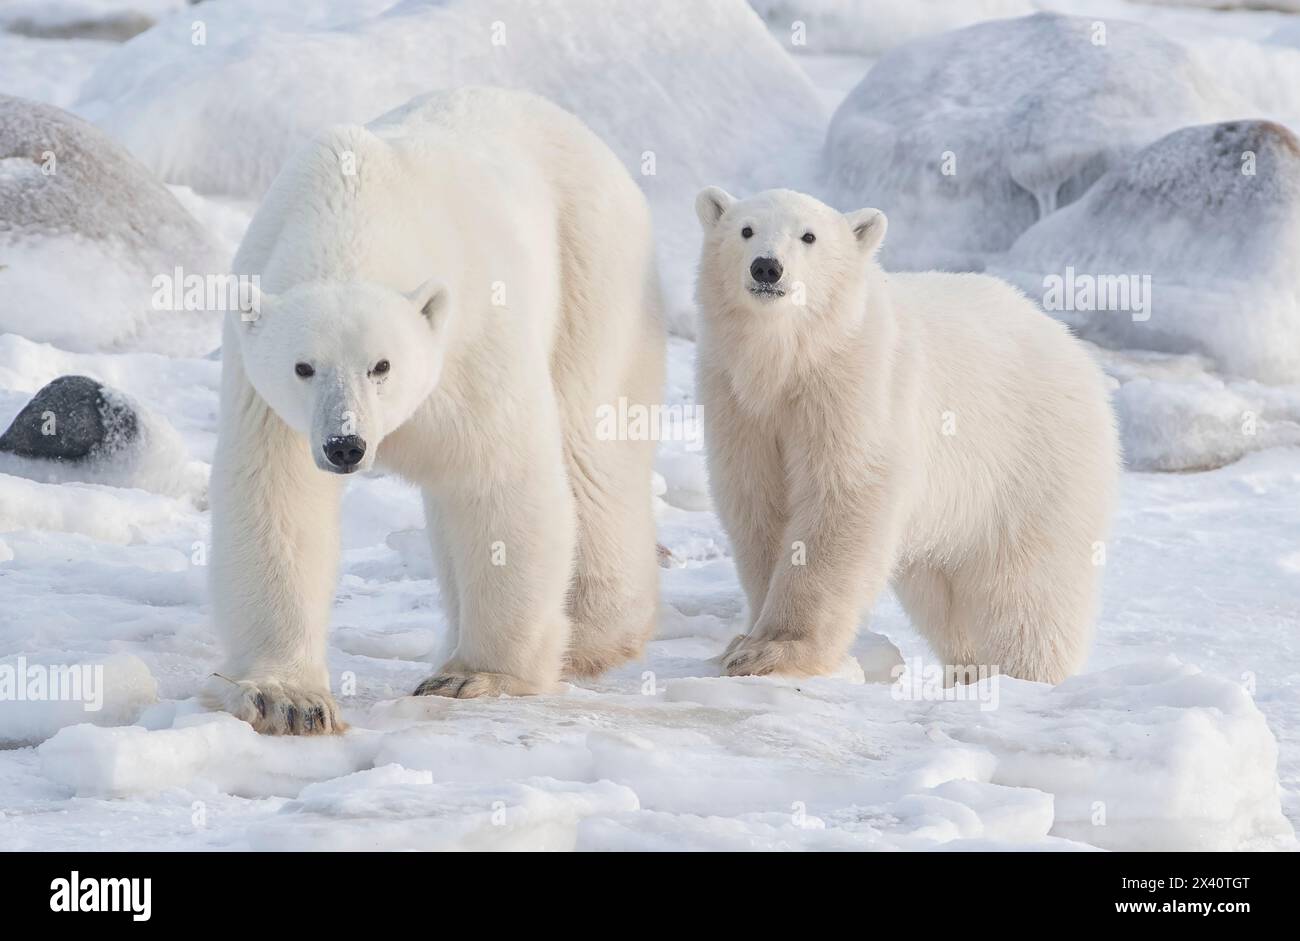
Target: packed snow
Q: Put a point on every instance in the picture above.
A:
(1183, 732)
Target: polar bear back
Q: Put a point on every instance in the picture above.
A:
(1016, 410)
(510, 195)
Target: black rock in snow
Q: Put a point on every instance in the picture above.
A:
(72, 419)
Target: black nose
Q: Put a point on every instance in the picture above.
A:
(345, 450)
(765, 270)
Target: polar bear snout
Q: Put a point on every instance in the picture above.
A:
(344, 452)
(765, 273)
(765, 270)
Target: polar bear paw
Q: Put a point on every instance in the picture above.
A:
(471, 684)
(275, 707)
(748, 655)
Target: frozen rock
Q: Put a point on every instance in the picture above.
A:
(73, 419)
(1205, 224)
(966, 139)
(84, 230)
(1151, 755)
(217, 749)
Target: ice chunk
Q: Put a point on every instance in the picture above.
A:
(38, 697)
(1152, 755)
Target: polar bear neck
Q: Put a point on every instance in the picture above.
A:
(770, 360)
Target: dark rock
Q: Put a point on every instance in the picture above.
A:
(73, 418)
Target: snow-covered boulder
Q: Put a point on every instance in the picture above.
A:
(686, 93)
(84, 230)
(1205, 223)
(966, 139)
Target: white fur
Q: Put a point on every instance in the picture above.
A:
(495, 252)
(936, 430)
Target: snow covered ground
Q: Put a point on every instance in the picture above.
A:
(1183, 732)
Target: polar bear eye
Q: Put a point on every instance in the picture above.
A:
(809, 238)
(381, 368)
(305, 370)
(746, 232)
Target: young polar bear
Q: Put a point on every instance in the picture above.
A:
(451, 293)
(933, 429)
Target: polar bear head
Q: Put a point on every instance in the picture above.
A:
(344, 365)
(781, 251)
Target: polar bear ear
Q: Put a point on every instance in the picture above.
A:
(433, 301)
(868, 227)
(712, 202)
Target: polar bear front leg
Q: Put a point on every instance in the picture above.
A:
(747, 480)
(511, 543)
(275, 545)
(841, 543)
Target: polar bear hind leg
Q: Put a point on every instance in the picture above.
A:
(613, 604)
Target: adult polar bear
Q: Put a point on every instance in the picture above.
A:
(452, 291)
(933, 428)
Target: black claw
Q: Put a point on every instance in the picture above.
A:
(460, 687)
(318, 718)
(291, 717)
(260, 702)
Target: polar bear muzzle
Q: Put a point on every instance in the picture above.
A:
(344, 451)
